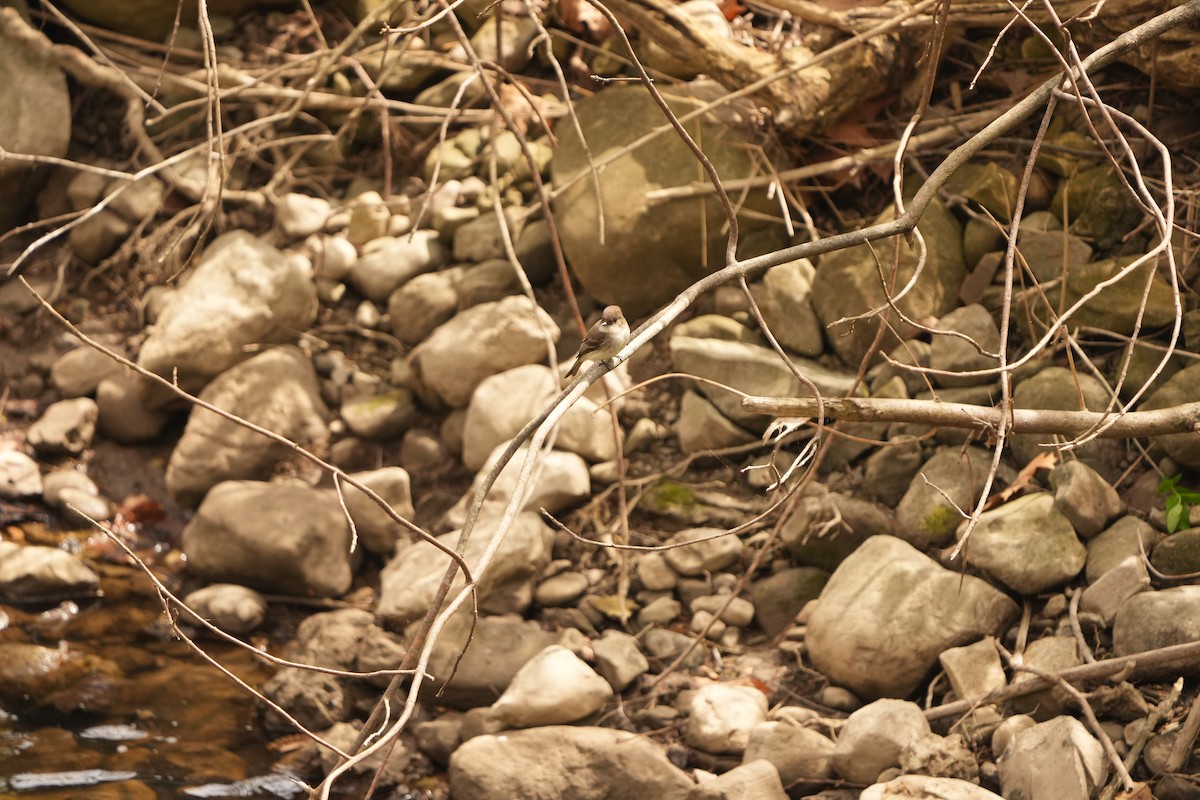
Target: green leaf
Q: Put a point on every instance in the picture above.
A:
(1175, 516)
(1167, 484)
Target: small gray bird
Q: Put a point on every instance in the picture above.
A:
(604, 340)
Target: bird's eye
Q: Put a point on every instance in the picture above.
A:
(604, 322)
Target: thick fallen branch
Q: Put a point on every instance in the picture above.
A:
(1130, 425)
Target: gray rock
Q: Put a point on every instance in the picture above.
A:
(19, 475)
(562, 480)
(1116, 308)
(1178, 554)
(276, 390)
(722, 715)
(369, 217)
(1119, 542)
(889, 470)
(825, 527)
(711, 551)
(1058, 388)
(784, 297)
(561, 589)
(439, 738)
(232, 608)
(487, 282)
(974, 670)
(754, 778)
(739, 612)
(535, 252)
(1151, 620)
(1047, 249)
(954, 354)
(702, 427)
(300, 215)
(589, 764)
(124, 416)
(618, 659)
(799, 754)
(1183, 448)
(481, 239)
(1108, 593)
(660, 611)
(654, 573)
(307, 552)
(1048, 654)
(55, 483)
(481, 341)
(873, 738)
(80, 505)
(552, 688)
(513, 40)
(314, 699)
(778, 598)
(940, 757)
(410, 580)
(389, 262)
(1055, 760)
(906, 787)
(383, 416)
(78, 372)
(1087, 500)
(65, 428)
(139, 201)
(1008, 730)
(886, 592)
(667, 645)
(376, 529)
(1027, 544)
(244, 293)
(418, 307)
(31, 572)
(925, 518)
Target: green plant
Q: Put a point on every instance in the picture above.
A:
(1179, 502)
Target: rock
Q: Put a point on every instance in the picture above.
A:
(383, 416)
(276, 390)
(828, 526)
(410, 579)
(1183, 448)
(940, 757)
(307, 551)
(751, 369)
(1055, 760)
(710, 552)
(1150, 620)
(954, 354)
(1117, 543)
(502, 404)
(391, 765)
(1108, 593)
(481, 341)
(418, 307)
(19, 475)
(554, 687)
(885, 592)
(975, 669)
(1099, 207)
(232, 608)
(702, 427)
(376, 529)
(65, 428)
(535, 252)
(30, 675)
(1047, 249)
(676, 242)
(389, 262)
(1008, 730)
(874, 736)
(369, 217)
(758, 779)
(1087, 500)
(722, 715)
(439, 738)
(618, 659)
(925, 517)
(124, 416)
(332, 256)
(909, 787)
(666, 646)
(1178, 554)
(784, 297)
(654, 573)
(139, 201)
(661, 611)
(1058, 388)
(1048, 654)
(738, 613)
(243, 293)
(514, 41)
(481, 239)
(54, 484)
(37, 120)
(562, 589)
(847, 282)
(314, 699)
(1027, 544)
(778, 598)
(31, 572)
(78, 372)
(299, 215)
(589, 764)
(990, 185)
(561, 481)
(799, 754)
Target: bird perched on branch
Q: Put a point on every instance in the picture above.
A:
(604, 340)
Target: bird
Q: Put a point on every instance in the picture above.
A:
(604, 340)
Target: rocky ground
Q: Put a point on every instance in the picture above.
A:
(766, 631)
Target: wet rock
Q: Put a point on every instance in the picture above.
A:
(552, 688)
(124, 416)
(974, 670)
(19, 475)
(873, 738)
(276, 390)
(300, 215)
(382, 416)
(1087, 500)
(1108, 593)
(887, 591)
(232, 608)
(784, 297)
(589, 764)
(502, 404)
(78, 372)
(757, 778)
(243, 294)
(389, 262)
(1151, 620)
(702, 427)
(721, 717)
(618, 659)
(30, 571)
(1027, 544)
(410, 580)
(376, 529)
(778, 598)
(940, 757)
(481, 341)
(1178, 554)
(799, 754)
(906, 787)
(307, 551)
(66, 428)
(1055, 760)
(948, 352)
(561, 481)
(1119, 542)
(30, 674)
(924, 517)
(418, 307)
